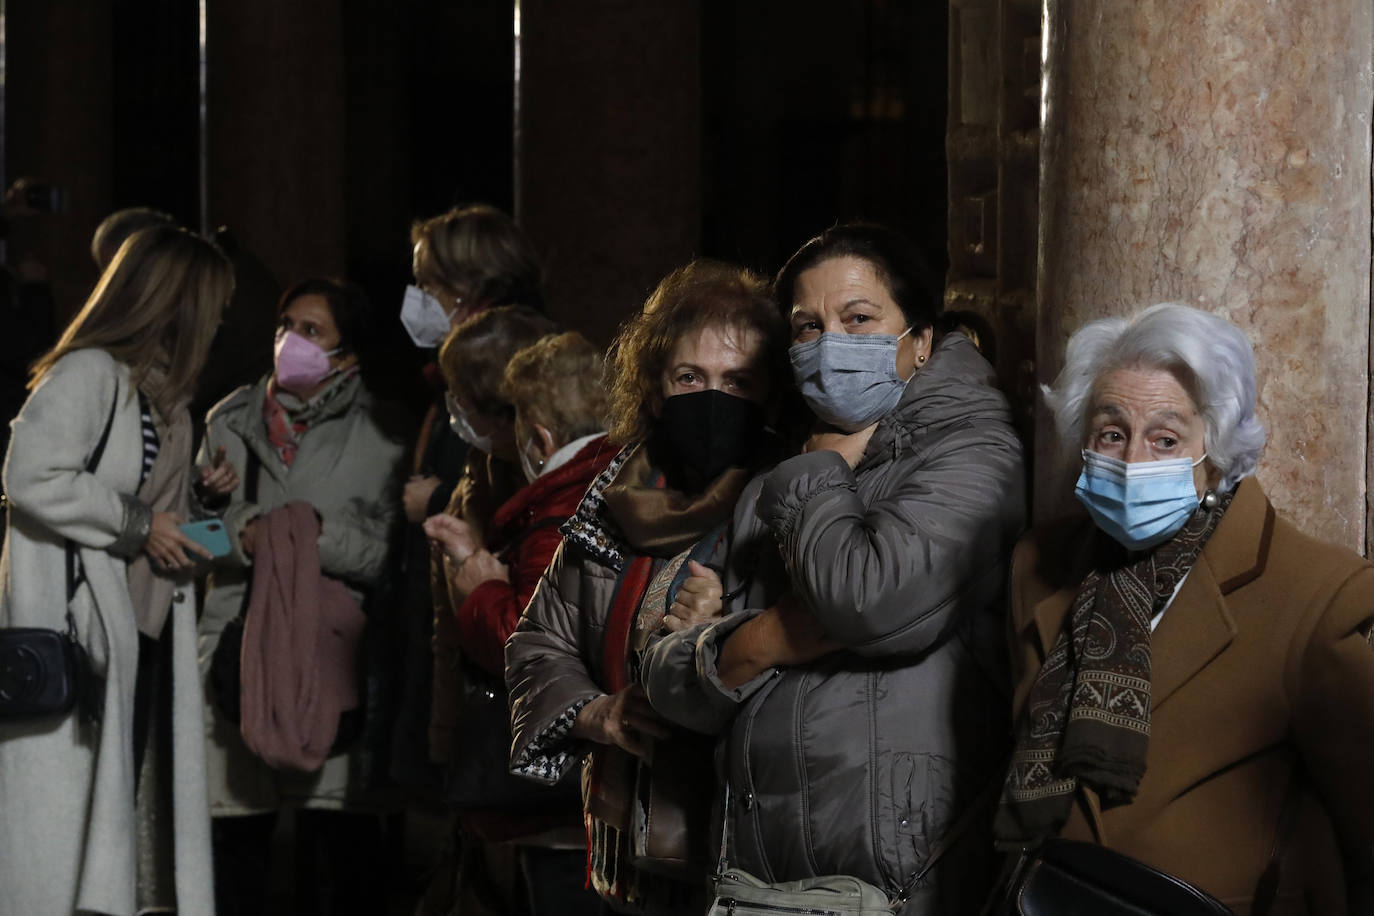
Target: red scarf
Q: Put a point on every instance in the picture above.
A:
(282, 431)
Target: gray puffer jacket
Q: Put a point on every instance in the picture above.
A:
(860, 762)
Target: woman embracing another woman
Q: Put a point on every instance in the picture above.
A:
(857, 693)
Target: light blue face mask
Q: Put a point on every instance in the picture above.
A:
(849, 380)
(1140, 504)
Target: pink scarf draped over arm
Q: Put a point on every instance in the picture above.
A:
(301, 635)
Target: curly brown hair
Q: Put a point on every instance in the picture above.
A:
(556, 383)
(704, 293)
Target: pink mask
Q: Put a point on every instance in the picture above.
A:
(301, 364)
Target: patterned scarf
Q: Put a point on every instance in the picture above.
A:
(287, 417)
(1088, 714)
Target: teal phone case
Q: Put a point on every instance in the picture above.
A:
(210, 534)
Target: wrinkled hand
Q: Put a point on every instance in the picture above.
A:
(624, 719)
(451, 535)
(415, 497)
(849, 446)
(219, 478)
(698, 599)
(479, 567)
(168, 546)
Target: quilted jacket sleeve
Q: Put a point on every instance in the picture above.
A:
(891, 576)
(547, 672)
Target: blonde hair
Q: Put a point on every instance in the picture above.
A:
(480, 255)
(556, 383)
(158, 303)
(702, 294)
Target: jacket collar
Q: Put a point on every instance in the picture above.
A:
(955, 387)
(1198, 625)
(249, 426)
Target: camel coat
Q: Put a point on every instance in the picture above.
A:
(1262, 662)
(67, 825)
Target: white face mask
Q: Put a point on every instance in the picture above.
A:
(424, 318)
(462, 427)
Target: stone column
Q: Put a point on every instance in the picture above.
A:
(1218, 154)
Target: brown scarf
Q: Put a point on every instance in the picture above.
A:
(167, 489)
(662, 522)
(1088, 714)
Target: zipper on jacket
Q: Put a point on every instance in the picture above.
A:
(747, 799)
(730, 903)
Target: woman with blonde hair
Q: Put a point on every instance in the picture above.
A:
(105, 808)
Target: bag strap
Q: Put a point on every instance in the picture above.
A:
(76, 575)
(252, 474)
(952, 836)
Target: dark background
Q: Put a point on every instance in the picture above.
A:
(648, 133)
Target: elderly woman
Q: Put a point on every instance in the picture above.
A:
(1194, 677)
(858, 705)
(695, 377)
(554, 388)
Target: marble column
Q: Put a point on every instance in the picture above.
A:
(1218, 154)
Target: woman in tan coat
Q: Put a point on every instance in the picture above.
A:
(1195, 679)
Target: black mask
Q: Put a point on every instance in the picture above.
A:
(702, 434)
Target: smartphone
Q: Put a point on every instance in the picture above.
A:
(210, 534)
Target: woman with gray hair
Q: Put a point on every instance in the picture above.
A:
(1195, 677)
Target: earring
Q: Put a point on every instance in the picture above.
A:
(1210, 500)
(920, 360)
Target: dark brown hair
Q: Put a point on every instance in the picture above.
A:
(473, 358)
(909, 279)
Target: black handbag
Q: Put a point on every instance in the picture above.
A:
(45, 673)
(479, 775)
(1066, 877)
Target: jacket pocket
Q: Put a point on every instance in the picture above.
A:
(922, 799)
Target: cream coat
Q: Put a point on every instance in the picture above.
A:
(349, 467)
(67, 824)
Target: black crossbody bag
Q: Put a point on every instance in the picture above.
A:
(45, 673)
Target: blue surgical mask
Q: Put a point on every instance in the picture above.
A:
(849, 380)
(1140, 504)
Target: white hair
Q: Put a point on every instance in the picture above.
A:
(1209, 356)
